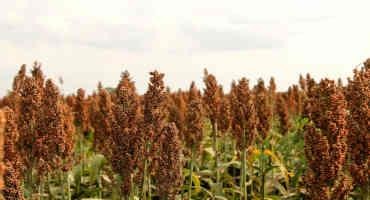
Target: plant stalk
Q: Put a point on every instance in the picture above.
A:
(215, 149)
(244, 171)
(69, 195)
(149, 188)
(41, 191)
(191, 173)
(365, 192)
(63, 185)
(263, 172)
(145, 180)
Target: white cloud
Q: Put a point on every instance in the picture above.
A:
(87, 41)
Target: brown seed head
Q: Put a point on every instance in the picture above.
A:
(263, 109)
(128, 145)
(53, 147)
(169, 173)
(243, 113)
(2, 166)
(325, 137)
(177, 110)
(282, 112)
(193, 134)
(81, 112)
(358, 97)
(155, 108)
(211, 97)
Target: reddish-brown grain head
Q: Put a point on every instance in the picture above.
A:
(211, 97)
(194, 119)
(358, 97)
(243, 112)
(263, 109)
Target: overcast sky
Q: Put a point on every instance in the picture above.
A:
(86, 41)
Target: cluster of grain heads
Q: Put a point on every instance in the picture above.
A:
(81, 112)
(12, 159)
(168, 175)
(243, 111)
(224, 118)
(272, 91)
(38, 75)
(263, 109)
(243, 123)
(358, 97)
(102, 120)
(53, 147)
(45, 125)
(28, 122)
(295, 98)
(193, 134)
(264, 115)
(155, 116)
(2, 166)
(194, 119)
(128, 145)
(212, 103)
(325, 142)
(282, 112)
(177, 110)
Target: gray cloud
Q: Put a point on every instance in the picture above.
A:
(107, 36)
(230, 39)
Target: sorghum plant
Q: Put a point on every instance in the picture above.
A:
(302, 83)
(193, 134)
(168, 175)
(282, 112)
(243, 123)
(194, 119)
(28, 122)
(177, 111)
(263, 109)
(244, 119)
(80, 110)
(54, 144)
(103, 121)
(38, 75)
(325, 143)
(224, 118)
(12, 159)
(272, 91)
(358, 97)
(212, 104)
(127, 141)
(155, 116)
(2, 166)
(264, 115)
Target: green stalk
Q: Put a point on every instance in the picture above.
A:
(145, 179)
(48, 186)
(149, 188)
(69, 195)
(40, 190)
(82, 152)
(29, 181)
(99, 185)
(215, 149)
(365, 192)
(80, 157)
(263, 172)
(191, 173)
(131, 194)
(244, 171)
(234, 146)
(63, 185)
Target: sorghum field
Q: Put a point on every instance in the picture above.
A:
(252, 142)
